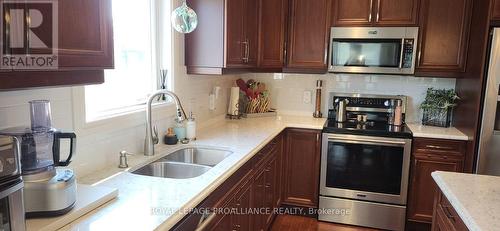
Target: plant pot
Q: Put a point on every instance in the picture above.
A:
(439, 117)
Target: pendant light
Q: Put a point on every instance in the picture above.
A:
(184, 19)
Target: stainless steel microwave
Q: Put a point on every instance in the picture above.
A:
(378, 50)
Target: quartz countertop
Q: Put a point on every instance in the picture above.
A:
(423, 131)
(150, 203)
(476, 198)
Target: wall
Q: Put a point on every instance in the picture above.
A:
(287, 89)
(98, 146)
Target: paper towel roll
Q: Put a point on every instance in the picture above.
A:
(234, 101)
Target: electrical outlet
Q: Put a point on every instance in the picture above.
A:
(307, 97)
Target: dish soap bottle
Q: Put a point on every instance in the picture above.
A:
(170, 138)
(191, 127)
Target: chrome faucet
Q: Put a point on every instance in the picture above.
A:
(151, 131)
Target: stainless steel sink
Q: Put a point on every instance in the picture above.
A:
(202, 156)
(172, 170)
(185, 163)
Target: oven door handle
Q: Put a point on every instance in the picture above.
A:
(12, 189)
(353, 140)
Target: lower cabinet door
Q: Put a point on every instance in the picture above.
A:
(423, 188)
(270, 186)
(302, 167)
(439, 222)
(224, 223)
(243, 202)
(259, 193)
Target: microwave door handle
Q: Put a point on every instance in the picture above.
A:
(402, 53)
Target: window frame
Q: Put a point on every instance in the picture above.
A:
(134, 115)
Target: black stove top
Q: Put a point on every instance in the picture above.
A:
(371, 128)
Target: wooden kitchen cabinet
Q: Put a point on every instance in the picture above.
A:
(430, 155)
(256, 185)
(240, 200)
(226, 38)
(396, 12)
(85, 48)
(308, 53)
(267, 187)
(85, 34)
(495, 10)
(243, 202)
(445, 217)
(352, 13)
(375, 12)
(302, 167)
(444, 37)
(258, 35)
(272, 27)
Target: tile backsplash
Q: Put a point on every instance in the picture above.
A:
(287, 90)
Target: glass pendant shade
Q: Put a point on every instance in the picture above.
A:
(184, 19)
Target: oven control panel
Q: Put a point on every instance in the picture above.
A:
(364, 103)
(9, 165)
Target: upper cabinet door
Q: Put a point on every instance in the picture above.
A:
(251, 42)
(242, 33)
(495, 10)
(85, 34)
(272, 23)
(396, 12)
(308, 36)
(353, 13)
(444, 35)
(375, 12)
(235, 33)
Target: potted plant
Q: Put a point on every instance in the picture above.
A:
(438, 107)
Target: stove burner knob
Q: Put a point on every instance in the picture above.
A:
(387, 103)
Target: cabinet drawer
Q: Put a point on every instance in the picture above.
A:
(439, 146)
(451, 217)
(265, 152)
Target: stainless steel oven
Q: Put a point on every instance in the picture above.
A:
(384, 50)
(11, 186)
(12, 208)
(367, 175)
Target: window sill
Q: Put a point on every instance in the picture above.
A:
(128, 118)
(123, 112)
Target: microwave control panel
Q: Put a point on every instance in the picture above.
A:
(408, 49)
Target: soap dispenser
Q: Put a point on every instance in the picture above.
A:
(191, 127)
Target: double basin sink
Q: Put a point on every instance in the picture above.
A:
(184, 163)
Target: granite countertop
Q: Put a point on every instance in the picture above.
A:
(476, 198)
(150, 203)
(423, 131)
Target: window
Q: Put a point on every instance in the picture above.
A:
(136, 27)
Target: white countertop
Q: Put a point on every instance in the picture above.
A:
(476, 198)
(88, 198)
(450, 133)
(149, 203)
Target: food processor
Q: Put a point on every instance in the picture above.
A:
(48, 191)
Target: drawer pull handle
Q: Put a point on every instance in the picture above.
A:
(205, 220)
(438, 147)
(448, 214)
